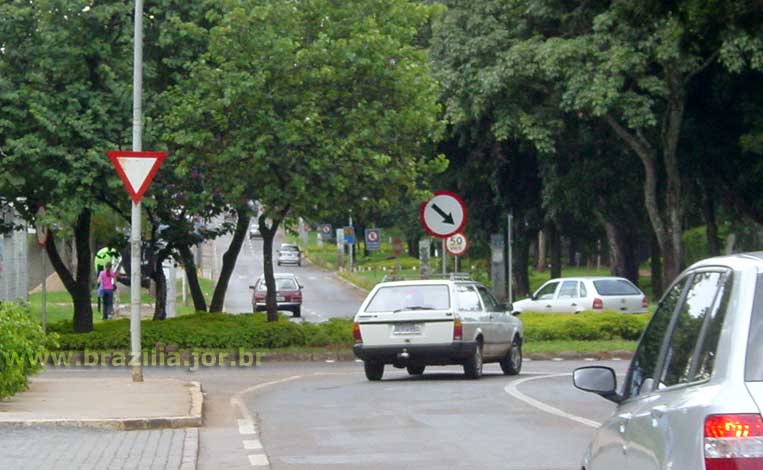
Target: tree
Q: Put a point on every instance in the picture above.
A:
(62, 103)
(312, 104)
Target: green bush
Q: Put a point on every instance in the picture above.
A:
(23, 346)
(587, 326)
(209, 331)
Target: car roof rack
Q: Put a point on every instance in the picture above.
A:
(435, 276)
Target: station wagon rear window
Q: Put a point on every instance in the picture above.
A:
(607, 287)
(411, 297)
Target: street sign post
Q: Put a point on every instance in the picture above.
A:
(42, 240)
(373, 239)
(136, 169)
(442, 216)
(456, 245)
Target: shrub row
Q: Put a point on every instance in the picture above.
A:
(587, 326)
(217, 331)
(210, 331)
(22, 343)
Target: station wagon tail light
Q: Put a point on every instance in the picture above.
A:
(458, 330)
(734, 442)
(598, 304)
(356, 333)
(644, 303)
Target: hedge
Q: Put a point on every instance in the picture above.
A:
(210, 331)
(23, 345)
(252, 331)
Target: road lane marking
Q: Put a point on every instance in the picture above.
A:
(253, 444)
(513, 390)
(246, 427)
(259, 460)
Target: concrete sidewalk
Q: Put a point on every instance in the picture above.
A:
(115, 403)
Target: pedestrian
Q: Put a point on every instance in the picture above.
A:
(107, 280)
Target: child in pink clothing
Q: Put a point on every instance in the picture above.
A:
(107, 279)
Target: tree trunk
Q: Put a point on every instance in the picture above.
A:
(521, 263)
(160, 305)
(711, 226)
(555, 242)
(268, 235)
(541, 261)
(413, 247)
(622, 250)
(189, 264)
(78, 286)
(229, 261)
(656, 268)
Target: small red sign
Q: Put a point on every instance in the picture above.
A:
(136, 169)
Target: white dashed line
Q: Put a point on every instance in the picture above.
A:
(557, 359)
(259, 460)
(512, 389)
(254, 444)
(246, 427)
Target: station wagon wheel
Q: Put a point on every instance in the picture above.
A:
(473, 366)
(512, 363)
(374, 370)
(416, 370)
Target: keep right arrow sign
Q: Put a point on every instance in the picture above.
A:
(444, 214)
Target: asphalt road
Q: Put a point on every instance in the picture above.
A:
(325, 295)
(335, 419)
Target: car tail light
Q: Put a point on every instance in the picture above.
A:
(356, 333)
(598, 304)
(458, 329)
(734, 442)
(644, 303)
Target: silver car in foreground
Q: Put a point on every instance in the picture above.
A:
(693, 394)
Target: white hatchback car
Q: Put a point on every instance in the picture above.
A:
(693, 395)
(413, 324)
(577, 294)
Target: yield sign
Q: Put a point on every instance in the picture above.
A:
(443, 215)
(136, 169)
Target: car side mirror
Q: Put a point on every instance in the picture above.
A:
(251, 287)
(599, 380)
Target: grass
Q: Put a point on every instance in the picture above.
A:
(592, 347)
(59, 304)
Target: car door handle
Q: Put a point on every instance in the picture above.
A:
(548, 306)
(573, 304)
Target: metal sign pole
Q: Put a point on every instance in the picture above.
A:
(444, 258)
(44, 292)
(137, 146)
(510, 280)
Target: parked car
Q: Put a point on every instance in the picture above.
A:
(289, 254)
(414, 324)
(576, 294)
(693, 395)
(288, 293)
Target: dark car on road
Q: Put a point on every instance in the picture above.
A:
(288, 294)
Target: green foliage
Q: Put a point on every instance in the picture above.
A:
(587, 326)
(209, 331)
(22, 348)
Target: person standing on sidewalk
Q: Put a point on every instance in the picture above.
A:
(108, 281)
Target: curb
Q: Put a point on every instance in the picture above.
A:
(190, 457)
(349, 356)
(193, 420)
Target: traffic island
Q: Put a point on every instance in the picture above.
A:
(106, 403)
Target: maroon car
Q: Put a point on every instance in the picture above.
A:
(288, 294)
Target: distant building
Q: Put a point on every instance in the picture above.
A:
(14, 279)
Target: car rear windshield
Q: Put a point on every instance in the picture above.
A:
(754, 369)
(281, 284)
(414, 297)
(289, 248)
(607, 287)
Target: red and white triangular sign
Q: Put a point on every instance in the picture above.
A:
(136, 169)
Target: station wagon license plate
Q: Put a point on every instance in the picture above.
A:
(404, 329)
(280, 298)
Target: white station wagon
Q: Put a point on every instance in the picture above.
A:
(414, 324)
(577, 294)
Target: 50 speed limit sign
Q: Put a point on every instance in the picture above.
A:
(457, 244)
